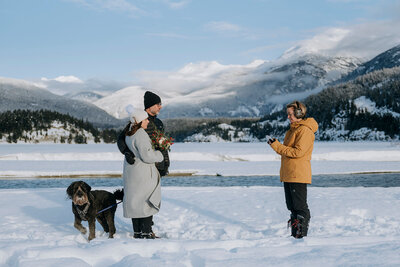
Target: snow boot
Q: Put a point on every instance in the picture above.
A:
(299, 227)
(303, 226)
(149, 236)
(292, 224)
(137, 235)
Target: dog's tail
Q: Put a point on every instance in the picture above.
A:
(119, 194)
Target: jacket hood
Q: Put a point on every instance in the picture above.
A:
(308, 122)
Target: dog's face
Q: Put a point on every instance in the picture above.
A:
(79, 192)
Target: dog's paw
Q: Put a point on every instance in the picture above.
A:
(91, 237)
(83, 230)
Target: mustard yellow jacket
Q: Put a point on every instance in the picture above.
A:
(296, 151)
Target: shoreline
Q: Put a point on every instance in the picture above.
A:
(172, 175)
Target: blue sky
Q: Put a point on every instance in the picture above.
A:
(119, 39)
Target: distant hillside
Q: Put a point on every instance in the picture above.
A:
(386, 60)
(48, 126)
(85, 96)
(18, 94)
(367, 108)
(210, 129)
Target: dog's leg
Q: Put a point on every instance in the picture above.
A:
(78, 225)
(92, 228)
(103, 222)
(110, 222)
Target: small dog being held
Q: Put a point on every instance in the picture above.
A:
(86, 204)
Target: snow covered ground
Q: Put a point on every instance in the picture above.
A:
(209, 226)
(32, 160)
(205, 226)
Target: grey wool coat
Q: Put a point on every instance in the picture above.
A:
(142, 185)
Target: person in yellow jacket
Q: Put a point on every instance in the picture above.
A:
(295, 172)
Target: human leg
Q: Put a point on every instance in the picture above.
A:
(137, 231)
(299, 197)
(146, 228)
(301, 210)
(289, 205)
(288, 197)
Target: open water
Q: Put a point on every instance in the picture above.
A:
(336, 180)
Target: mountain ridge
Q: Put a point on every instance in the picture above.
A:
(251, 90)
(18, 94)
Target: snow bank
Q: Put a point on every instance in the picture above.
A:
(27, 160)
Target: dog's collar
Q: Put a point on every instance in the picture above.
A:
(82, 213)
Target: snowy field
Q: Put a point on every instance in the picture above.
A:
(205, 226)
(213, 226)
(29, 160)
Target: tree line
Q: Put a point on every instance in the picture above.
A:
(333, 108)
(19, 124)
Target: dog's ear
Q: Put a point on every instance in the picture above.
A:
(86, 187)
(70, 190)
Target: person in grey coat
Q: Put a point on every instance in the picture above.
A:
(142, 186)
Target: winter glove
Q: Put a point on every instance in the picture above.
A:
(130, 157)
(271, 140)
(162, 166)
(123, 148)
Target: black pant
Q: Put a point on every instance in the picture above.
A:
(296, 199)
(142, 224)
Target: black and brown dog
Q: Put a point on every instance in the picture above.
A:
(86, 205)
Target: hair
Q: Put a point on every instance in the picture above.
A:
(131, 129)
(300, 110)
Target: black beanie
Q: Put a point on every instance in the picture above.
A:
(150, 99)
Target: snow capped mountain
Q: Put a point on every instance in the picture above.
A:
(324, 43)
(204, 89)
(18, 94)
(256, 91)
(115, 103)
(210, 89)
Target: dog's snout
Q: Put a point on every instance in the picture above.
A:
(79, 193)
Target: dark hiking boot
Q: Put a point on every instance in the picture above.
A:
(303, 225)
(149, 236)
(137, 235)
(292, 224)
(299, 227)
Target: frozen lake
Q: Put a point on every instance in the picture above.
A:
(325, 180)
(226, 159)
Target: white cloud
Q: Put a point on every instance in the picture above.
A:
(70, 84)
(64, 79)
(177, 4)
(222, 26)
(228, 29)
(347, 1)
(195, 76)
(112, 5)
(169, 35)
(126, 5)
(364, 40)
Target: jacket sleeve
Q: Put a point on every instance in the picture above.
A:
(146, 153)
(121, 142)
(303, 140)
